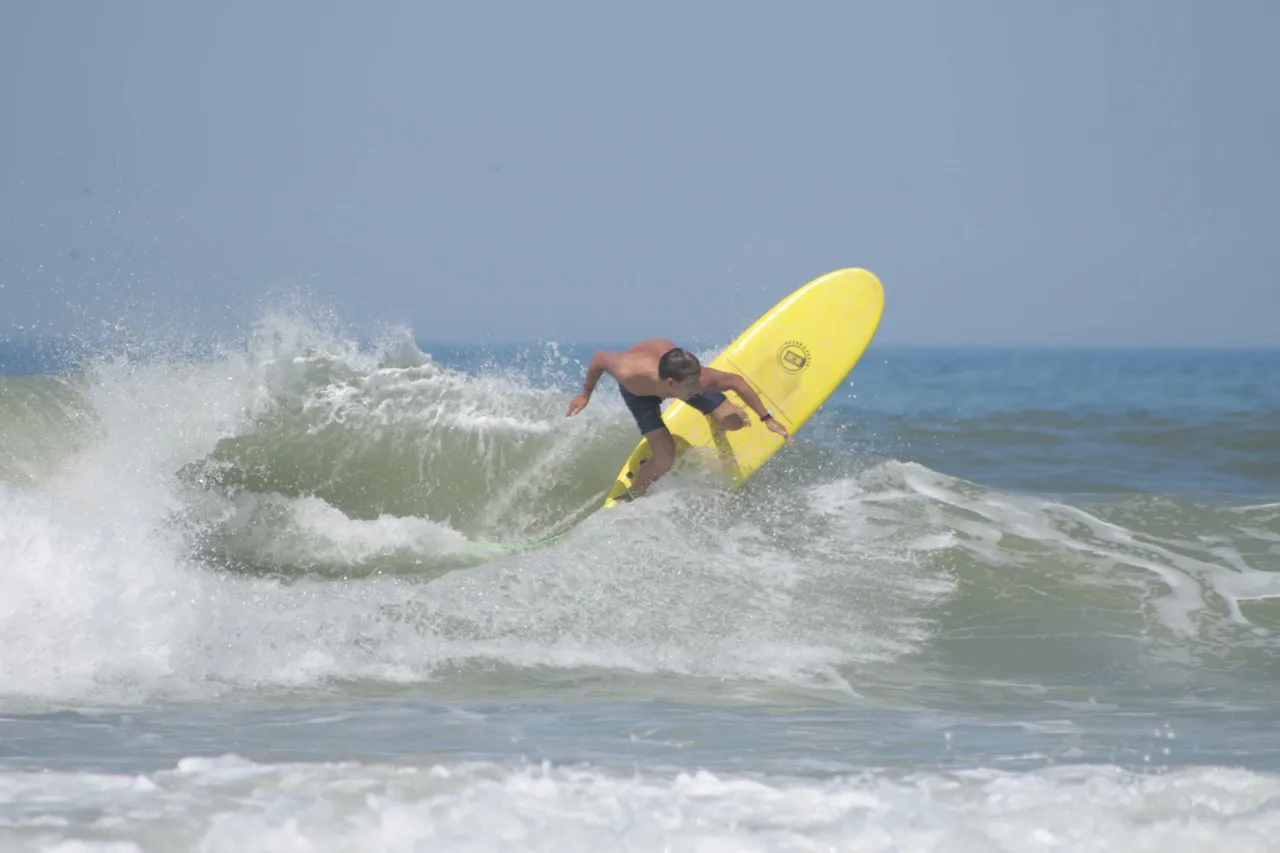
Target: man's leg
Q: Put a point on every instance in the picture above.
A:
(727, 414)
(662, 449)
(648, 414)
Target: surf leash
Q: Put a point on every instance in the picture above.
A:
(626, 497)
(519, 547)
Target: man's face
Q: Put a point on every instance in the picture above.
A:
(685, 388)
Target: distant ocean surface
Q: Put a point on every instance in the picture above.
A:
(1013, 600)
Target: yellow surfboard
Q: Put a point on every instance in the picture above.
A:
(794, 357)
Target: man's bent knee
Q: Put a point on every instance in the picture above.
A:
(730, 417)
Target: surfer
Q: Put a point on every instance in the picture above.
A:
(656, 369)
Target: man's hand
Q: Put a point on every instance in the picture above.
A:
(578, 403)
(781, 430)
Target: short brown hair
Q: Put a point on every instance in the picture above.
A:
(678, 364)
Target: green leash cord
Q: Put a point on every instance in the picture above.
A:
(541, 542)
(537, 544)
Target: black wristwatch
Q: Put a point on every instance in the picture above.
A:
(766, 416)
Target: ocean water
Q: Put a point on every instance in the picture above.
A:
(1006, 600)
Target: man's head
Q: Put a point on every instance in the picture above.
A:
(680, 372)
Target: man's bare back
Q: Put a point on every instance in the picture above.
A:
(637, 368)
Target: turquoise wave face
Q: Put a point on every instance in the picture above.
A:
(300, 510)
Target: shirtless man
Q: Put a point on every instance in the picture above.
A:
(656, 369)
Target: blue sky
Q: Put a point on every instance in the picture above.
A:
(1070, 173)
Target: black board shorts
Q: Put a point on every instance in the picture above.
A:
(647, 410)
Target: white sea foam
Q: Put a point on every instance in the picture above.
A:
(229, 804)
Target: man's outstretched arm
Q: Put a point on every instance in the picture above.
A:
(602, 362)
(721, 380)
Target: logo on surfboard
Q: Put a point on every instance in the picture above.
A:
(793, 357)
